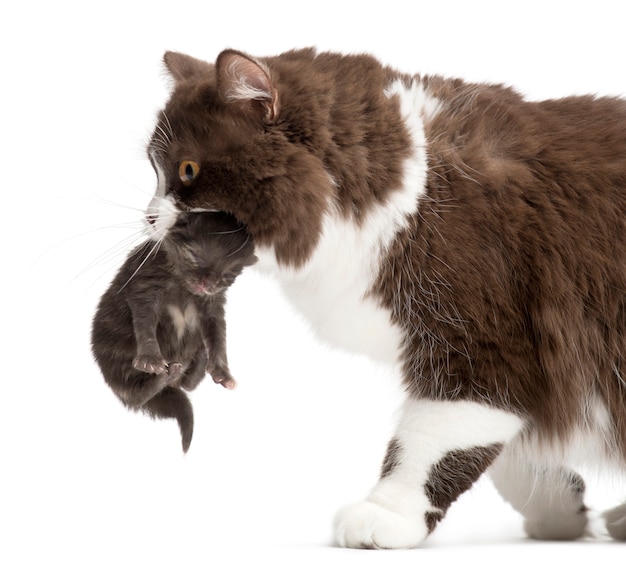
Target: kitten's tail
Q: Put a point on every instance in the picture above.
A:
(172, 403)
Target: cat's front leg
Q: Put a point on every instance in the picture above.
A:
(221, 374)
(551, 498)
(214, 332)
(439, 450)
(145, 311)
(150, 363)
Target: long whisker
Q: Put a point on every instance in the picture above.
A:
(82, 235)
(169, 125)
(165, 137)
(112, 253)
(240, 248)
(153, 251)
(106, 201)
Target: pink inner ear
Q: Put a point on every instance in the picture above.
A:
(241, 78)
(249, 77)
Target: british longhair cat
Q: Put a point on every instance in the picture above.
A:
(476, 239)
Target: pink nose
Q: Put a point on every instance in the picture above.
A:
(151, 218)
(204, 288)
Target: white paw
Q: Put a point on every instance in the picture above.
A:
(371, 526)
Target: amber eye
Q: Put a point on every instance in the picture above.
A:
(188, 171)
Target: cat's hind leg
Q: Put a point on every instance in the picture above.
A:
(616, 522)
(196, 371)
(439, 450)
(550, 499)
(140, 387)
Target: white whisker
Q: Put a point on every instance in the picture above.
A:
(169, 125)
(113, 253)
(240, 248)
(153, 251)
(163, 136)
(225, 232)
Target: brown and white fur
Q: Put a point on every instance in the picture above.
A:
(473, 238)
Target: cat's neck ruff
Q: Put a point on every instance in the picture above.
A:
(332, 289)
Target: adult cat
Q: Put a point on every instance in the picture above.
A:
(160, 326)
(474, 238)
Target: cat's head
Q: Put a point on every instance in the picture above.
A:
(208, 251)
(225, 141)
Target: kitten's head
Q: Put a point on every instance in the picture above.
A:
(225, 142)
(208, 251)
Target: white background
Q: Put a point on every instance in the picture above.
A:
(84, 482)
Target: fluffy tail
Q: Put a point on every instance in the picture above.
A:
(172, 403)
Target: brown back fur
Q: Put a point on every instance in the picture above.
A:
(509, 280)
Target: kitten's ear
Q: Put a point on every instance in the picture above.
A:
(182, 67)
(241, 78)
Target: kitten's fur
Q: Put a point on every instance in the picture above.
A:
(160, 326)
(475, 239)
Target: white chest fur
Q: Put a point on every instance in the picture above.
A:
(331, 292)
(332, 289)
(183, 320)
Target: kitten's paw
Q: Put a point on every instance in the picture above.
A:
(223, 378)
(150, 364)
(366, 525)
(174, 371)
(228, 383)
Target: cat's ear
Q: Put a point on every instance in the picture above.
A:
(182, 67)
(241, 78)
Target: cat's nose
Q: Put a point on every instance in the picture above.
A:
(209, 284)
(151, 218)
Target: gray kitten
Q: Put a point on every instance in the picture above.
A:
(160, 326)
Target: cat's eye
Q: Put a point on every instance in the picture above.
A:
(188, 171)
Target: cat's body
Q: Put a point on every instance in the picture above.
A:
(472, 238)
(160, 326)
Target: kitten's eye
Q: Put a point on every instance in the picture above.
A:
(188, 171)
(190, 256)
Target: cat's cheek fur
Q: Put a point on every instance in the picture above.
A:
(439, 450)
(162, 210)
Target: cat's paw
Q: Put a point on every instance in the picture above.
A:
(228, 383)
(150, 364)
(174, 371)
(616, 522)
(366, 525)
(568, 521)
(562, 527)
(223, 377)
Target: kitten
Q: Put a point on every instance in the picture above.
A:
(160, 326)
(473, 239)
